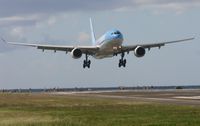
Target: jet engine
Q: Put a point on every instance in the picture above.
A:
(139, 51)
(76, 53)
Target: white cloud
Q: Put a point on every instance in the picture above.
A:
(32, 12)
(18, 32)
(51, 21)
(83, 37)
(19, 18)
(50, 7)
(176, 6)
(23, 20)
(47, 21)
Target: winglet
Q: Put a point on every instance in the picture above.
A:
(92, 33)
(3, 40)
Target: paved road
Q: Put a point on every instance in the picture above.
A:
(179, 97)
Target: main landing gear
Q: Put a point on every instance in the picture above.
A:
(86, 62)
(122, 61)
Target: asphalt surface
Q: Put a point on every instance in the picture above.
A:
(178, 97)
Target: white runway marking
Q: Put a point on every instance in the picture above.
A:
(189, 97)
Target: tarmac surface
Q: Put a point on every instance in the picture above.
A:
(177, 97)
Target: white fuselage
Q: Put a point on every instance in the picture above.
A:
(108, 44)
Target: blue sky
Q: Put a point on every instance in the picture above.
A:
(67, 22)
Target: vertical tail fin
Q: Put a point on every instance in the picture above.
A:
(92, 33)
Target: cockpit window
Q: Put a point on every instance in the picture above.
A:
(116, 33)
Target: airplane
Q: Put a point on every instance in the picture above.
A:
(108, 45)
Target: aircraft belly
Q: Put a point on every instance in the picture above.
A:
(106, 49)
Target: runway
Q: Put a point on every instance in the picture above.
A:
(177, 97)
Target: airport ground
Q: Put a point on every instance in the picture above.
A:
(119, 108)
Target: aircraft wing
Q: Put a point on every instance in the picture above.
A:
(85, 49)
(152, 45)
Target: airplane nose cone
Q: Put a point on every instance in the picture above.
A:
(119, 36)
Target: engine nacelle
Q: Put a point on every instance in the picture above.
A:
(76, 53)
(139, 51)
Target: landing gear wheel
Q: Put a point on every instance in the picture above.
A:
(124, 65)
(122, 61)
(88, 64)
(119, 65)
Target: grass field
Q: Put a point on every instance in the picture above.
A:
(70, 110)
